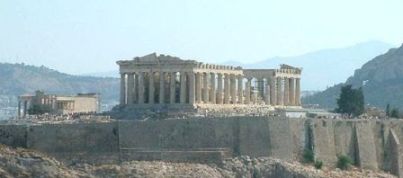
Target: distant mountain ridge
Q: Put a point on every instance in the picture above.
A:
(17, 79)
(321, 69)
(381, 79)
(326, 67)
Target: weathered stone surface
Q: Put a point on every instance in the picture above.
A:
(394, 155)
(213, 138)
(366, 145)
(323, 141)
(13, 135)
(27, 163)
(76, 142)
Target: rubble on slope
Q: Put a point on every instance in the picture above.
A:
(59, 119)
(25, 163)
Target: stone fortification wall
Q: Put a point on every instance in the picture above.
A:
(76, 142)
(372, 144)
(14, 135)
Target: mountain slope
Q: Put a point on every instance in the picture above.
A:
(327, 67)
(18, 79)
(381, 79)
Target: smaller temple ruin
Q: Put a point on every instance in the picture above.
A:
(56, 104)
(154, 81)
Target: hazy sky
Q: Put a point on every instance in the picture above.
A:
(78, 36)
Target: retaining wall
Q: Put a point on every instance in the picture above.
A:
(76, 142)
(370, 143)
(14, 135)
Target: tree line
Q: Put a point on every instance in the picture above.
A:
(351, 102)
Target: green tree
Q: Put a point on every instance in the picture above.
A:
(387, 111)
(308, 156)
(394, 113)
(351, 101)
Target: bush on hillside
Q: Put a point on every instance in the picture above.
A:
(344, 162)
(318, 164)
(308, 156)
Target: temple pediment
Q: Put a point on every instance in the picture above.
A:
(153, 58)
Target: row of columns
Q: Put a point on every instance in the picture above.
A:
(24, 104)
(284, 91)
(134, 90)
(212, 88)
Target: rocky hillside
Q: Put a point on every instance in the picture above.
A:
(25, 163)
(338, 63)
(17, 79)
(381, 79)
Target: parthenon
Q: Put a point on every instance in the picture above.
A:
(161, 80)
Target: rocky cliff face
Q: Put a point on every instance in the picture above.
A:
(386, 67)
(26, 163)
(381, 80)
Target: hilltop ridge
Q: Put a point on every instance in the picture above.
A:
(18, 79)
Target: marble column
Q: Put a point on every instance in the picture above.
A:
(292, 91)
(192, 87)
(297, 92)
(213, 88)
(206, 87)
(267, 94)
(279, 91)
(240, 91)
(219, 89)
(130, 87)
(260, 87)
(254, 96)
(183, 88)
(233, 88)
(162, 88)
(24, 112)
(19, 108)
(172, 87)
(286, 99)
(151, 88)
(247, 91)
(136, 88)
(141, 87)
(122, 89)
(198, 87)
(226, 89)
(54, 102)
(273, 94)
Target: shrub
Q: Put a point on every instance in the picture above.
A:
(37, 109)
(308, 156)
(318, 164)
(344, 162)
(256, 173)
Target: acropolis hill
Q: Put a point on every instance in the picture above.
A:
(154, 83)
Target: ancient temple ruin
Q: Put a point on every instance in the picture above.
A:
(58, 104)
(156, 81)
